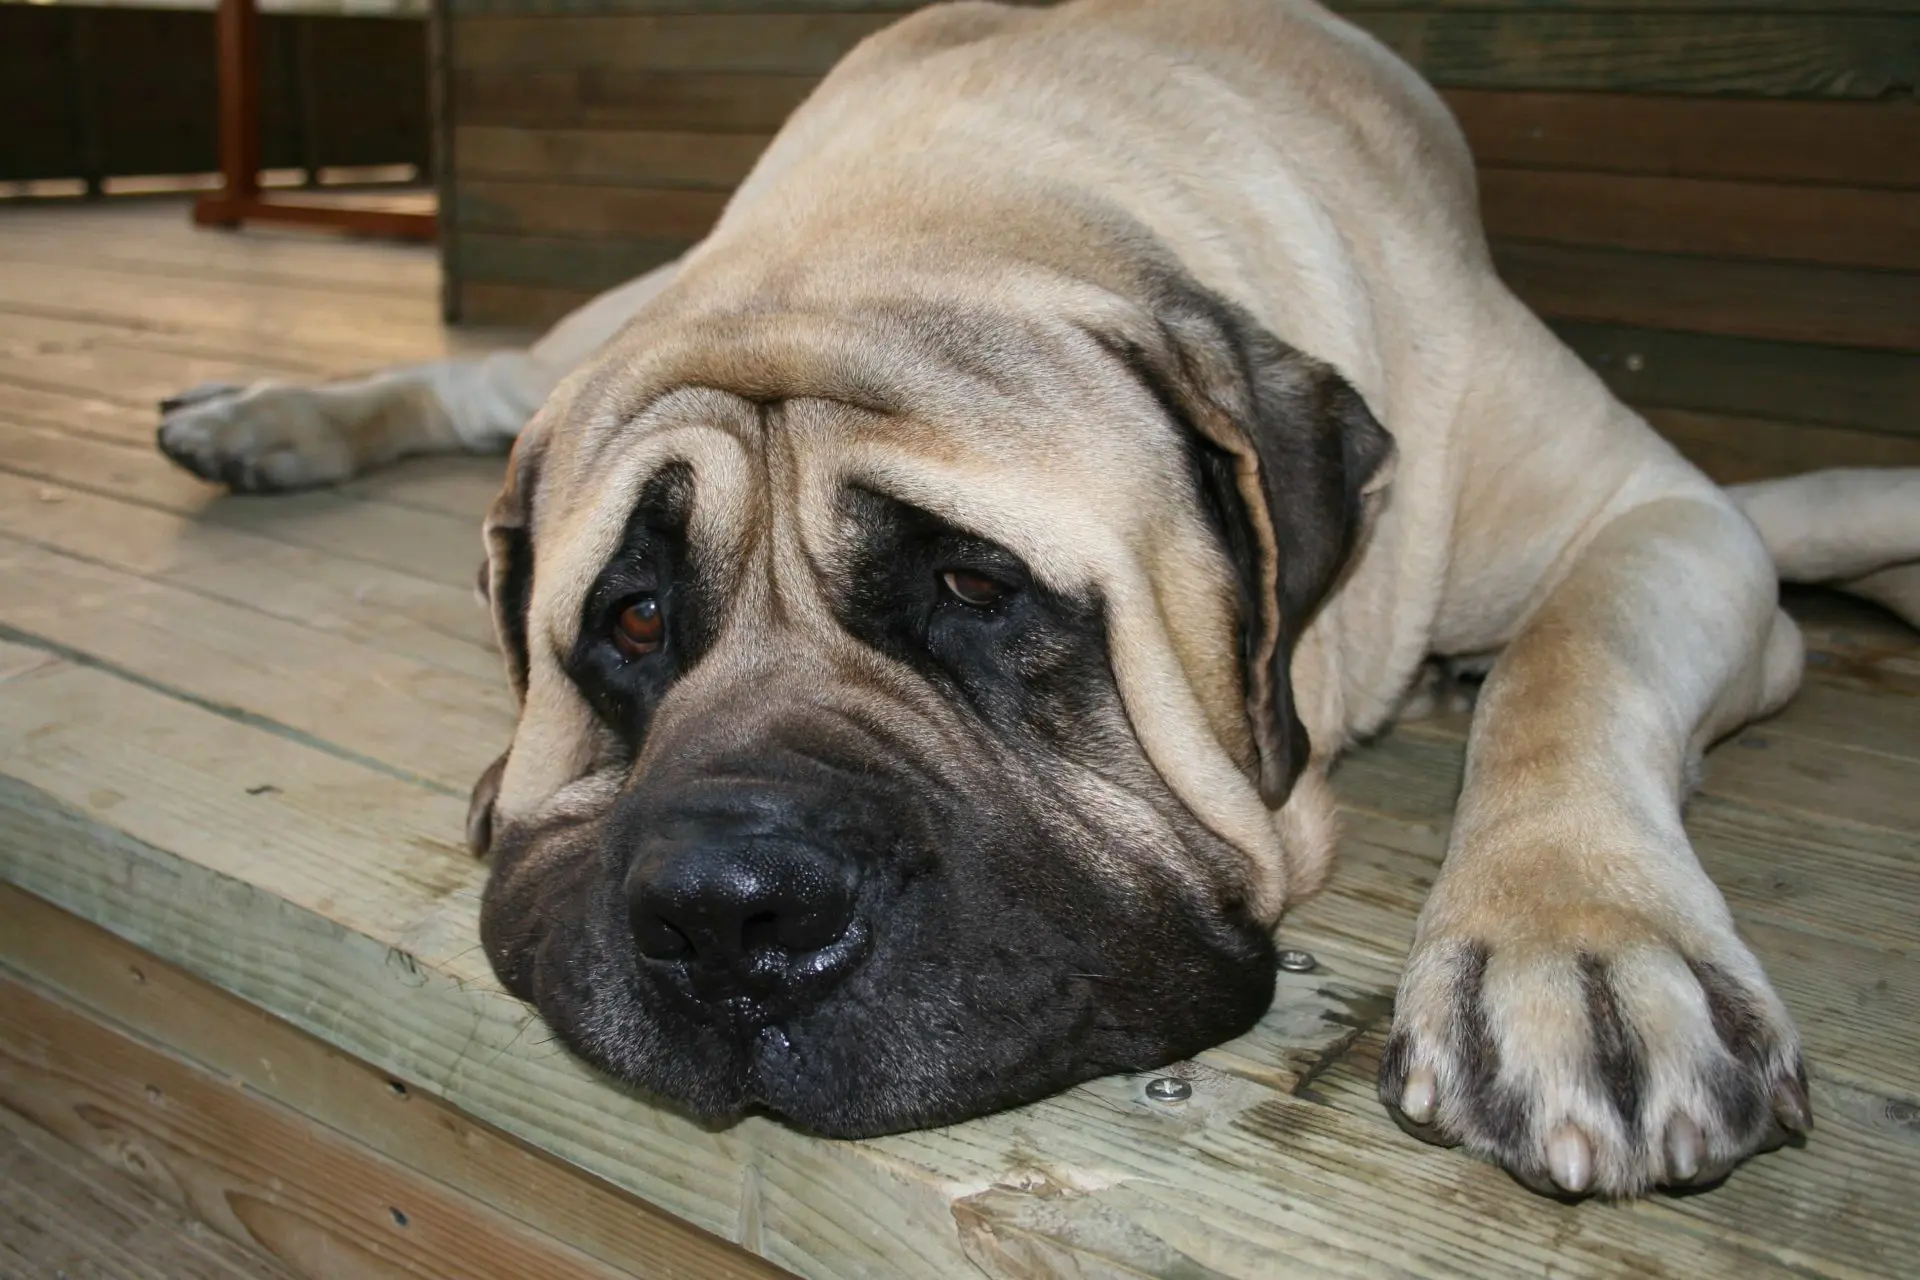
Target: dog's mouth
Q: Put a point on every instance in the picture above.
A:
(914, 1000)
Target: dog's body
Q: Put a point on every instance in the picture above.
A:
(1021, 295)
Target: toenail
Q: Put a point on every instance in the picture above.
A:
(1683, 1150)
(1570, 1159)
(1420, 1098)
(1790, 1108)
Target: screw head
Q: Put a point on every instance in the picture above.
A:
(1169, 1089)
(1297, 962)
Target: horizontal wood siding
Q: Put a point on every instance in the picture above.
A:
(1723, 194)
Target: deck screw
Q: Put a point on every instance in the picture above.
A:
(1169, 1089)
(1298, 961)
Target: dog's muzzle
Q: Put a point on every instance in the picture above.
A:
(747, 888)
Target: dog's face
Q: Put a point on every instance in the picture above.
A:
(900, 688)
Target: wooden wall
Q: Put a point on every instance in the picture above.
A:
(94, 92)
(1717, 202)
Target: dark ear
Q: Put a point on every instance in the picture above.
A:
(506, 580)
(506, 585)
(1285, 456)
(480, 808)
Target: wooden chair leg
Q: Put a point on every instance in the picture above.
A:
(239, 198)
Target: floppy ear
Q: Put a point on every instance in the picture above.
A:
(506, 585)
(506, 580)
(1286, 457)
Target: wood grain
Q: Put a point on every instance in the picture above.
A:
(1744, 139)
(65, 1214)
(1834, 386)
(482, 302)
(125, 987)
(439, 624)
(1778, 301)
(1839, 226)
(307, 681)
(464, 7)
(771, 43)
(1863, 144)
(599, 213)
(1804, 55)
(257, 1173)
(412, 540)
(564, 98)
(638, 157)
(1735, 450)
(552, 262)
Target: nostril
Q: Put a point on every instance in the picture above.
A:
(761, 913)
(760, 932)
(657, 937)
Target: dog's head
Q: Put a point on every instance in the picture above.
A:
(904, 680)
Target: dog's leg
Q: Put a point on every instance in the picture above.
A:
(276, 435)
(1577, 1005)
(1853, 529)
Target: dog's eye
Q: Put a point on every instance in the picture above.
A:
(639, 629)
(974, 589)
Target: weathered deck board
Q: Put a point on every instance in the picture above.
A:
(62, 1214)
(237, 733)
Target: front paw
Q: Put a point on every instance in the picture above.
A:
(1602, 1061)
(255, 439)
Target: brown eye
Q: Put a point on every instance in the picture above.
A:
(639, 629)
(974, 589)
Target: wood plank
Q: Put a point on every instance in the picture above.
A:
(465, 7)
(483, 303)
(129, 236)
(1662, 6)
(641, 157)
(101, 293)
(588, 266)
(1860, 57)
(559, 98)
(1859, 144)
(1837, 386)
(64, 1213)
(435, 623)
(1782, 302)
(426, 544)
(771, 43)
(124, 986)
(52, 351)
(1803, 55)
(249, 1169)
(323, 685)
(1838, 226)
(1736, 450)
(676, 214)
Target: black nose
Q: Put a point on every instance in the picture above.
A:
(757, 913)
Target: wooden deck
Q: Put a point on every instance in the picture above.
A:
(235, 741)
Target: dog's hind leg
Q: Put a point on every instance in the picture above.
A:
(277, 435)
(1857, 530)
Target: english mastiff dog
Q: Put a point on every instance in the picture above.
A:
(935, 603)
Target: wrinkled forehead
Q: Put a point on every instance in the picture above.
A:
(1069, 468)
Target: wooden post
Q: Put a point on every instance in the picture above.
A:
(239, 198)
(238, 27)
